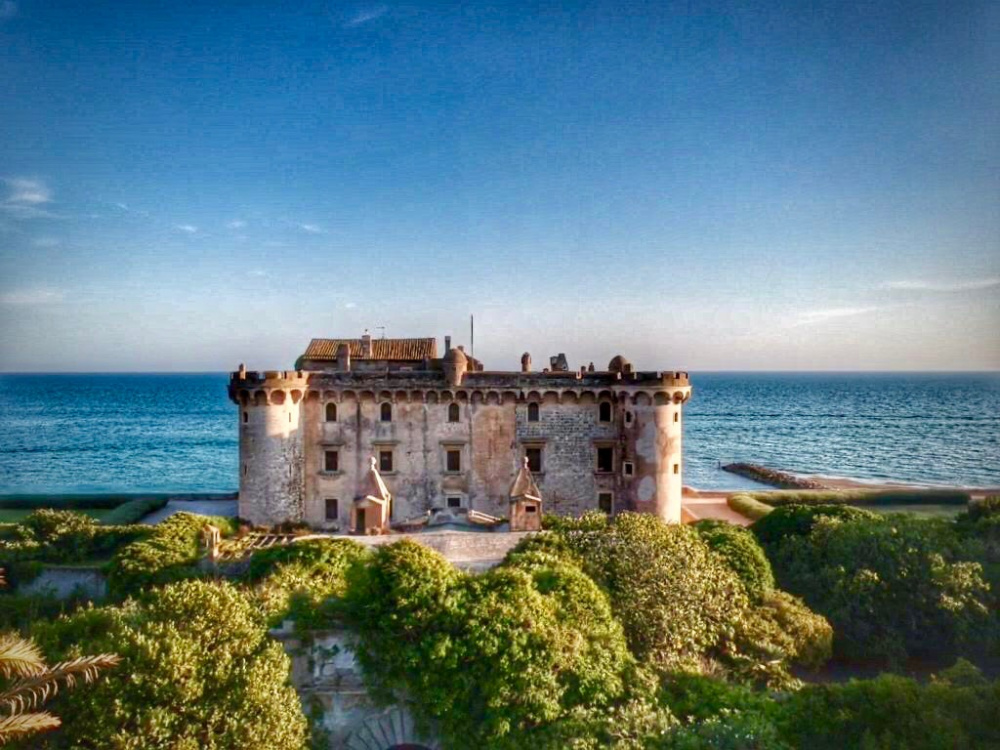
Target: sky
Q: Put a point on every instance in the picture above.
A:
(696, 185)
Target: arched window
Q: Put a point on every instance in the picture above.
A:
(246, 417)
(605, 411)
(331, 412)
(386, 414)
(453, 413)
(532, 412)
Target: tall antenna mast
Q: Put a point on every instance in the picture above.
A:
(472, 336)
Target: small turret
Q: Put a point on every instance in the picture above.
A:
(455, 364)
(344, 358)
(526, 362)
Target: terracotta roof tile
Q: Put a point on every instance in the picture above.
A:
(397, 349)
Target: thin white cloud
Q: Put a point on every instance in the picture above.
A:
(311, 228)
(8, 9)
(189, 228)
(819, 316)
(350, 305)
(236, 224)
(27, 191)
(257, 273)
(31, 297)
(942, 286)
(365, 16)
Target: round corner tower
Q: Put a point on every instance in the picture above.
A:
(271, 444)
(659, 446)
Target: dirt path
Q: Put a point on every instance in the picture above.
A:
(714, 507)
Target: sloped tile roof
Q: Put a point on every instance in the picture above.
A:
(397, 349)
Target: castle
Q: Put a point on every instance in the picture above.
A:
(370, 426)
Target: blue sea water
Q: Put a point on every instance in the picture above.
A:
(178, 432)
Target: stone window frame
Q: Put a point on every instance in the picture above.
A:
(331, 445)
(454, 413)
(447, 446)
(600, 445)
(600, 411)
(463, 500)
(385, 408)
(326, 412)
(327, 518)
(628, 469)
(383, 451)
(335, 450)
(532, 444)
(534, 411)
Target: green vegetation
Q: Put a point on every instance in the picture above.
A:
(135, 510)
(756, 505)
(741, 551)
(198, 671)
(746, 505)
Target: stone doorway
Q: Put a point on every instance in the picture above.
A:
(359, 522)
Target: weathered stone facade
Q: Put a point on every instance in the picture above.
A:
(446, 433)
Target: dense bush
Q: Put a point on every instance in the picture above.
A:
(294, 580)
(987, 507)
(61, 502)
(134, 511)
(892, 587)
(956, 712)
(777, 498)
(169, 553)
(798, 520)
(740, 550)
(747, 506)
(527, 655)
(60, 536)
(198, 671)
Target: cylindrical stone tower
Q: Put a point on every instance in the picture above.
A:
(659, 447)
(271, 450)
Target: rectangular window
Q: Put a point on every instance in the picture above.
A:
(385, 460)
(605, 502)
(332, 509)
(454, 502)
(530, 509)
(677, 468)
(605, 459)
(534, 456)
(331, 461)
(677, 416)
(454, 460)
(628, 468)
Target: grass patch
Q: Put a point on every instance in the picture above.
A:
(933, 511)
(15, 515)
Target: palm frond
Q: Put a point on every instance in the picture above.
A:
(19, 657)
(29, 692)
(21, 724)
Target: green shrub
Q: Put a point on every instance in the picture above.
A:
(891, 587)
(810, 634)
(526, 655)
(729, 730)
(747, 506)
(695, 697)
(893, 712)
(134, 510)
(592, 520)
(987, 507)
(60, 536)
(778, 498)
(798, 520)
(169, 553)
(740, 550)
(294, 580)
(61, 502)
(198, 671)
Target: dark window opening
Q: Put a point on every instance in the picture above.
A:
(332, 509)
(331, 412)
(605, 411)
(530, 509)
(677, 468)
(605, 459)
(386, 413)
(532, 412)
(244, 469)
(385, 460)
(534, 456)
(246, 417)
(331, 461)
(605, 501)
(628, 417)
(629, 468)
(453, 460)
(677, 416)
(454, 502)
(453, 413)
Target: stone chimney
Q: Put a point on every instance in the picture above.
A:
(366, 345)
(526, 362)
(447, 344)
(344, 358)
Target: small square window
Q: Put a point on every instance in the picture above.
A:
(605, 459)
(385, 460)
(331, 461)
(332, 509)
(677, 468)
(605, 502)
(534, 456)
(454, 460)
(454, 502)
(628, 468)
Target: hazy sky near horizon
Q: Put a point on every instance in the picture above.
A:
(700, 185)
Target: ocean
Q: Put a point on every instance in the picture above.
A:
(127, 433)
